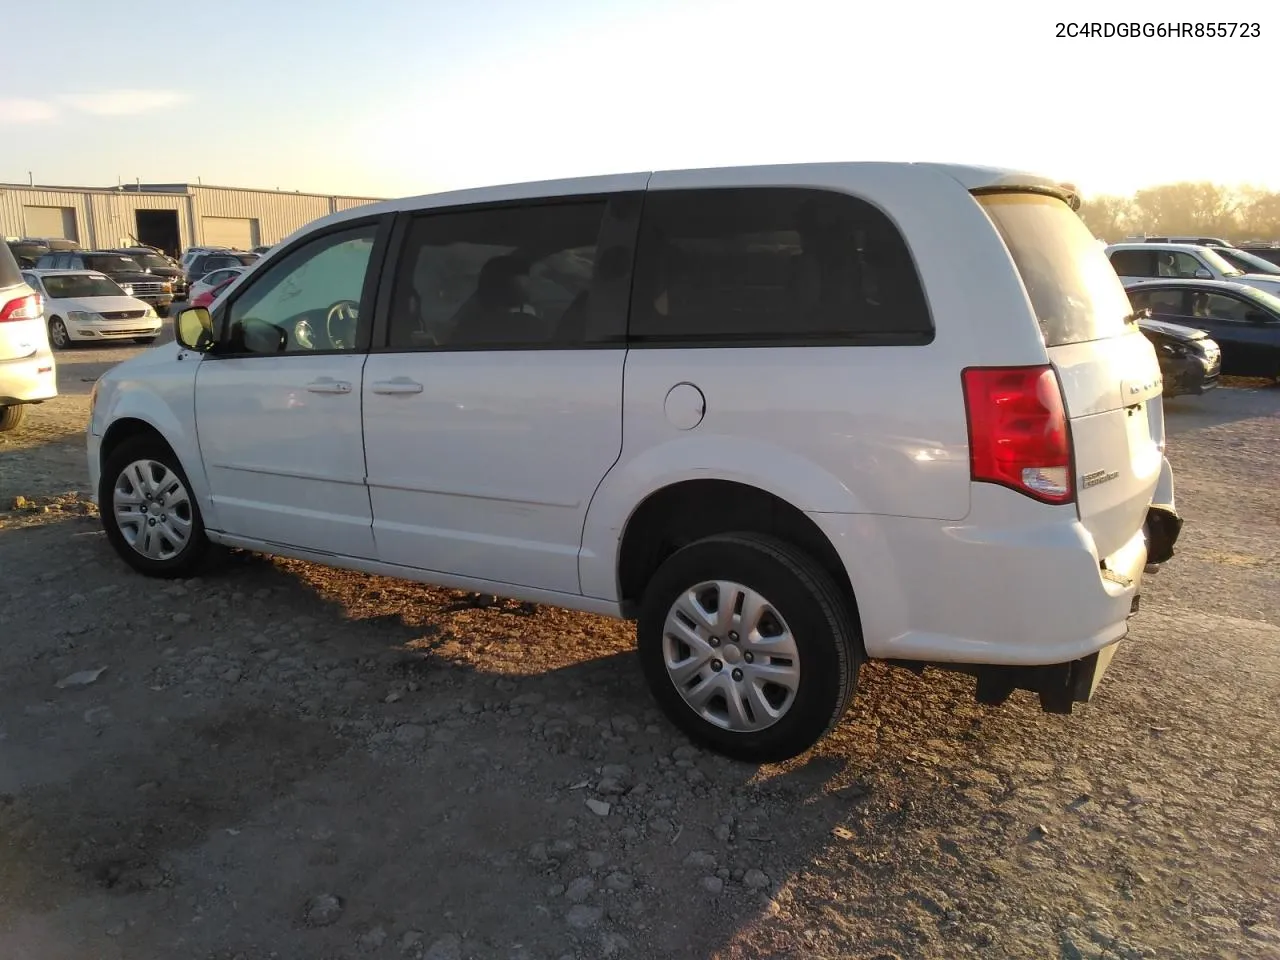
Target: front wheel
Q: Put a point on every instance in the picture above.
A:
(148, 510)
(748, 646)
(58, 335)
(11, 416)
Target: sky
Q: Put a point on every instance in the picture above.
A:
(404, 97)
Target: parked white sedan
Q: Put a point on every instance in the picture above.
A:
(84, 305)
(212, 280)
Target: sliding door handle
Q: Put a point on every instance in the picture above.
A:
(329, 385)
(398, 386)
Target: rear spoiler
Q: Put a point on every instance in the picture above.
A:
(1066, 192)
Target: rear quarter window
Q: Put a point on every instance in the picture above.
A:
(1074, 290)
(773, 266)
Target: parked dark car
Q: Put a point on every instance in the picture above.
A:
(1267, 251)
(157, 264)
(1248, 261)
(206, 263)
(1243, 320)
(121, 268)
(1190, 361)
(29, 250)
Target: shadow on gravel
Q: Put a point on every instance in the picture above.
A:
(274, 730)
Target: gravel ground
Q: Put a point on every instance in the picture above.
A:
(279, 760)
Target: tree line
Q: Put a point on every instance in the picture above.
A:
(1236, 214)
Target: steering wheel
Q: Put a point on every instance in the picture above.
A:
(340, 324)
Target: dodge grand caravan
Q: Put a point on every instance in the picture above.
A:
(786, 418)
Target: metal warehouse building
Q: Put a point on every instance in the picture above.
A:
(171, 216)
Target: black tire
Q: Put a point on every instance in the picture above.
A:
(58, 331)
(192, 553)
(144, 340)
(826, 634)
(11, 416)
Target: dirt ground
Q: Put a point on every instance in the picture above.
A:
(284, 761)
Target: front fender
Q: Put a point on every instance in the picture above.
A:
(753, 463)
(163, 397)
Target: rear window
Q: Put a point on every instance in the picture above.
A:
(10, 275)
(1074, 290)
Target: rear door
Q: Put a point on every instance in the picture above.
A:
(1109, 372)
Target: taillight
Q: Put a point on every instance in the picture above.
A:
(1018, 434)
(22, 308)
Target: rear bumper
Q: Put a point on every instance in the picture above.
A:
(1030, 591)
(28, 380)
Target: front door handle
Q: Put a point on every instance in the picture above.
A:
(401, 385)
(329, 385)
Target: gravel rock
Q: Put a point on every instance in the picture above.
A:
(619, 882)
(372, 939)
(322, 910)
(755, 880)
(713, 885)
(580, 889)
(583, 917)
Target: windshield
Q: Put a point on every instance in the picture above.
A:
(1248, 262)
(73, 286)
(152, 261)
(1220, 263)
(1073, 288)
(113, 263)
(1268, 300)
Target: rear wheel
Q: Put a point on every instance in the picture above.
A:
(11, 416)
(748, 646)
(58, 335)
(148, 510)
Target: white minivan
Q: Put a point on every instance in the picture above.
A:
(788, 418)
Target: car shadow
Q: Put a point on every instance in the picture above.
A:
(402, 744)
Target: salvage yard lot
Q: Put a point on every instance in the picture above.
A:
(281, 760)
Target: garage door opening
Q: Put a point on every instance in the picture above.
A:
(234, 232)
(159, 228)
(51, 222)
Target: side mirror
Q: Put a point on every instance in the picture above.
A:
(193, 329)
(1203, 274)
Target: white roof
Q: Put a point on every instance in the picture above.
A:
(971, 177)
